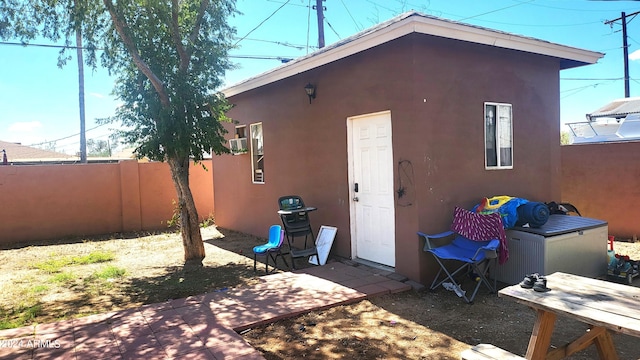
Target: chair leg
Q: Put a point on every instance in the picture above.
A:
(255, 256)
(482, 273)
(275, 260)
(283, 259)
(450, 277)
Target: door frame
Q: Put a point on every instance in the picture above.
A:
(350, 178)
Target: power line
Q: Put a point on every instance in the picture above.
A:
(262, 57)
(592, 79)
(280, 2)
(575, 91)
(359, 28)
(262, 22)
(66, 137)
(334, 30)
(496, 10)
(539, 25)
(257, 57)
(570, 9)
(54, 46)
(287, 44)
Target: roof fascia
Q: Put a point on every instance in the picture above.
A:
(424, 25)
(320, 58)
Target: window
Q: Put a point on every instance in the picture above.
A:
(238, 145)
(257, 153)
(240, 131)
(498, 136)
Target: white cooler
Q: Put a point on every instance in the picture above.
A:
(571, 244)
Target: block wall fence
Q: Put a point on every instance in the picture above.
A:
(603, 182)
(42, 202)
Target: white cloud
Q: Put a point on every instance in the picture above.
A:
(25, 126)
(98, 95)
(635, 55)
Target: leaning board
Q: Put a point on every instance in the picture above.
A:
(326, 235)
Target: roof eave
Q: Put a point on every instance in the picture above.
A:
(570, 57)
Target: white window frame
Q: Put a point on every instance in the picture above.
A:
(257, 153)
(498, 130)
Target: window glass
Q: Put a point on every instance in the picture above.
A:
(498, 136)
(257, 153)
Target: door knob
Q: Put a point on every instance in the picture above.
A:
(356, 199)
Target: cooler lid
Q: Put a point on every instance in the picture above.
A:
(562, 224)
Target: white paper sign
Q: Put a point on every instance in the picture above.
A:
(323, 244)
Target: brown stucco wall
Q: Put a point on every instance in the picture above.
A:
(435, 90)
(602, 181)
(41, 202)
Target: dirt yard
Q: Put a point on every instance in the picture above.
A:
(421, 325)
(45, 283)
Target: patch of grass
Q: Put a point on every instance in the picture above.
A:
(54, 265)
(209, 221)
(95, 276)
(20, 316)
(101, 282)
(39, 289)
(93, 258)
(110, 272)
(63, 277)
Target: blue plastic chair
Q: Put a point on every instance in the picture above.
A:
(271, 248)
(477, 258)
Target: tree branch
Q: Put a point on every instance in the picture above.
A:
(175, 35)
(185, 54)
(196, 27)
(137, 59)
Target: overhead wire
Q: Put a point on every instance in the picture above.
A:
(331, 27)
(258, 57)
(577, 90)
(358, 27)
(564, 8)
(496, 10)
(286, 44)
(262, 22)
(66, 137)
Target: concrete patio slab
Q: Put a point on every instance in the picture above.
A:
(203, 326)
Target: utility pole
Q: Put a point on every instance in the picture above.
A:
(319, 8)
(625, 49)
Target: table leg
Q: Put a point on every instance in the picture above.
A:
(541, 335)
(605, 346)
(578, 344)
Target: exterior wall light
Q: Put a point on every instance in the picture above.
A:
(310, 89)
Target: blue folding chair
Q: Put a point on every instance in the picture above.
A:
(271, 248)
(473, 258)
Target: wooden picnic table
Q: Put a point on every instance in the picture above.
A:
(607, 307)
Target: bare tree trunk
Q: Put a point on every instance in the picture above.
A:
(189, 224)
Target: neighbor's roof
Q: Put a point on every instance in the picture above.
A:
(617, 109)
(17, 152)
(414, 22)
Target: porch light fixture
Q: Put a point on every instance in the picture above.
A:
(310, 89)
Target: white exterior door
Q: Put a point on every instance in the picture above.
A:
(371, 188)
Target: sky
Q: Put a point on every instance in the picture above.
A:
(39, 101)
